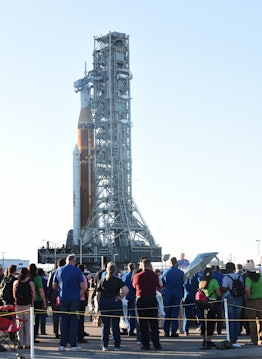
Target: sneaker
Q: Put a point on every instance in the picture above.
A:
(61, 348)
(116, 349)
(75, 349)
(144, 347)
(158, 347)
(105, 349)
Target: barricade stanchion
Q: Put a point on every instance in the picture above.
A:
(226, 319)
(32, 334)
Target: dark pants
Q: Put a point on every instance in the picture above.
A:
(81, 321)
(210, 314)
(189, 312)
(148, 317)
(111, 310)
(172, 303)
(38, 307)
(43, 323)
(69, 322)
(56, 315)
(219, 316)
(131, 311)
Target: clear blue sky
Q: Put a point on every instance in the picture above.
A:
(196, 113)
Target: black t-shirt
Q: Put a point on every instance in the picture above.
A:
(110, 288)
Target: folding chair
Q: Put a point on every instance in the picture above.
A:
(8, 327)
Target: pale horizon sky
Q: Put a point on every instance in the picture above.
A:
(196, 113)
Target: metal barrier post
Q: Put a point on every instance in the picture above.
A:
(226, 318)
(32, 335)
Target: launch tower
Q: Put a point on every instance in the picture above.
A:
(107, 221)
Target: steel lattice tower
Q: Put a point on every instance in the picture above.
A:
(115, 225)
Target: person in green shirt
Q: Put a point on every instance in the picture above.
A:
(211, 288)
(253, 291)
(40, 300)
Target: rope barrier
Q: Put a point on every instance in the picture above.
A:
(83, 313)
(33, 312)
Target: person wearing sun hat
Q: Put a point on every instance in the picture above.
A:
(253, 291)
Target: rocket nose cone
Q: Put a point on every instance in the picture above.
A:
(76, 150)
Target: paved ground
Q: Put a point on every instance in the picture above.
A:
(182, 347)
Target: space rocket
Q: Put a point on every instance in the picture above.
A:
(83, 163)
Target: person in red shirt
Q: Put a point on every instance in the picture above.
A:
(146, 282)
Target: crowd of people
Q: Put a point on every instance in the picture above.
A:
(144, 292)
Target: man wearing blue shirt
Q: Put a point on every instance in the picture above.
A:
(183, 263)
(70, 282)
(173, 283)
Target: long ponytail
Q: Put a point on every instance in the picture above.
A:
(110, 270)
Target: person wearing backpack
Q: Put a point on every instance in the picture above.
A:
(233, 291)
(24, 296)
(7, 286)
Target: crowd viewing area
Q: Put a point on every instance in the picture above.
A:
(194, 309)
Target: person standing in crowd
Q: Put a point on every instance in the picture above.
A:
(234, 302)
(40, 299)
(253, 291)
(127, 278)
(97, 319)
(83, 304)
(43, 315)
(183, 263)
(70, 282)
(244, 324)
(24, 296)
(190, 289)
(53, 296)
(2, 274)
(173, 280)
(219, 307)
(7, 283)
(110, 291)
(146, 283)
(212, 290)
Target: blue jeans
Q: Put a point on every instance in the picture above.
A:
(172, 304)
(189, 311)
(234, 312)
(131, 311)
(69, 322)
(111, 310)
